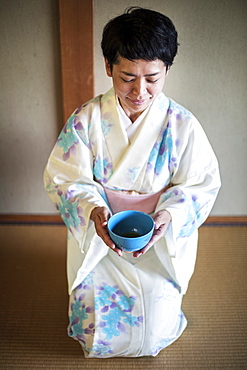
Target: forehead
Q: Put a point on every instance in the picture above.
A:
(139, 66)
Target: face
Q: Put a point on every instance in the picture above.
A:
(137, 83)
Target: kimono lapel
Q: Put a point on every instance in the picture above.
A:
(133, 159)
(115, 134)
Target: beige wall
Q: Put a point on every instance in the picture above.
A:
(209, 78)
(30, 101)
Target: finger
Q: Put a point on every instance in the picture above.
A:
(118, 251)
(113, 247)
(106, 238)
(155, 237)
(141, 251)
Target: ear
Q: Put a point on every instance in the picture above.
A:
(108, 68)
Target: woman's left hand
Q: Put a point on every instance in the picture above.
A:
(161, 220)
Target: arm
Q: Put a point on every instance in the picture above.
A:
(69, 178)
(195, 185)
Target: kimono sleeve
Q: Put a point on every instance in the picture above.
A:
(195, 185)
(69, 180)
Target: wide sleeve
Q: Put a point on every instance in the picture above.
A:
(195, 182)
(69, 178)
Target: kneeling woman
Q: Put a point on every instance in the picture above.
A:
(132, 148)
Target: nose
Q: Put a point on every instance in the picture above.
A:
(139, 88)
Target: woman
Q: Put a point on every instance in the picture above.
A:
(132, 148)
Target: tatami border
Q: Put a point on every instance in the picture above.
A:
(38, 219)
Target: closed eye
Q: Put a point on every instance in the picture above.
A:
(128, 81)
(132, 80)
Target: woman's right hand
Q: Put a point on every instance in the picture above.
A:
(100, 217)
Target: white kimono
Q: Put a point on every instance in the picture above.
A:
(123, 306)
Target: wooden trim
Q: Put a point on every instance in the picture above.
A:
(77, 57)
(226, 220)
(16, 219)
(23, 219)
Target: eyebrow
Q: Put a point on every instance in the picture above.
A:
(133, 75)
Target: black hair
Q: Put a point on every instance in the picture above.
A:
(140, 34)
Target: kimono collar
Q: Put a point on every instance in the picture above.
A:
(126, 171)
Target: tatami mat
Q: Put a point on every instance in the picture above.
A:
(34, 305)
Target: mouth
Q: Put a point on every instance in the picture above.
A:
(137, 102)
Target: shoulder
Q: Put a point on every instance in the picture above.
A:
(174, 111)
(87, 112)
(96, 102)
(183, 126)
(181, 117)
(88, 107)
(178, 111)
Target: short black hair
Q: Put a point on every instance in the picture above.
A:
(140, 33)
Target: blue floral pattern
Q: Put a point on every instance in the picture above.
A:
(132, 173)
(106, 127)
(160, 345)
(195, 211)
(102, 169)
(71, 212)
(161, 156)
(117, 308)
(179, 111)
(101, 348)
(70, 135)
(196, 215)
(112, 306)
(67, 140)
(81, 320)
(169, 291)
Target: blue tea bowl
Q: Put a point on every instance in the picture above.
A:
(130, 230)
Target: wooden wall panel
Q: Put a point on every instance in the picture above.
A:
(76, 38)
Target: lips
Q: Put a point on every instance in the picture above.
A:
(137, 102)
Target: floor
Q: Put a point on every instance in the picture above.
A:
(34, 298)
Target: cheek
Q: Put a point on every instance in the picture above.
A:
(122, 89)
(157, 88)
(154, 90)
